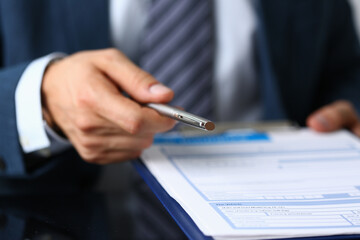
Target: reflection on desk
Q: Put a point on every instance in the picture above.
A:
(134, 214)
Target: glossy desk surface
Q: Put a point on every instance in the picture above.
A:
(121, 206)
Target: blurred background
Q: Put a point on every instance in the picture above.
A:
(356, 7)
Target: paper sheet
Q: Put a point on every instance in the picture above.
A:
(251, 185)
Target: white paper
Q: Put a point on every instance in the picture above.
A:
(254, 185)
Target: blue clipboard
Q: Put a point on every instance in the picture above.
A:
(184, 221)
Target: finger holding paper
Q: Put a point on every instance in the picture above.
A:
(332, 117)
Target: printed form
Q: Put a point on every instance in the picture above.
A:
(251, 185)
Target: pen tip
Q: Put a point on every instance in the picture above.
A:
(209, 126)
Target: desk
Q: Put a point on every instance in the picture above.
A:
(131, 212)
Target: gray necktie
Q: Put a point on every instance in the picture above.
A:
(178, 51)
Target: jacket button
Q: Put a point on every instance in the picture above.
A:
(2, 164)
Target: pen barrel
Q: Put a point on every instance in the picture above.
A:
(183, 116)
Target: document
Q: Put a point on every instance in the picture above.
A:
(255, 185)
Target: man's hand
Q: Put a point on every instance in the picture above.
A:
(332, 117)
(82, 96)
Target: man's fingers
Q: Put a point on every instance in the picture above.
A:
(154, 121)
(91, 123)
(114, 157)
(131, 116)
(332, 117)
(104, 149)
(83, 95)
(104, 99)
(112, 143)
(356, 129)
(133, 80)
(110, 157)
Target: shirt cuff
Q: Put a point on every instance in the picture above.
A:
(29, 120)
(58, 144)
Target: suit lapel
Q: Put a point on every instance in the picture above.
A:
(88, 24)
(272, 102)
(289, 46)
(306, 47)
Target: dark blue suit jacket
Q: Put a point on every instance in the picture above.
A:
(307, 51)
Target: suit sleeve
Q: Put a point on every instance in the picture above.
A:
(13, 162)
(10, 149)
(341, 74)
(11, 157)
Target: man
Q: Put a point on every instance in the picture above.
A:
(304, 67)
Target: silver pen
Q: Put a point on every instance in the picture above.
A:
(183, 116)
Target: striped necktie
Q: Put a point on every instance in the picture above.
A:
(178, 51)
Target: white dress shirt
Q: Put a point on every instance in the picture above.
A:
(235, 89)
